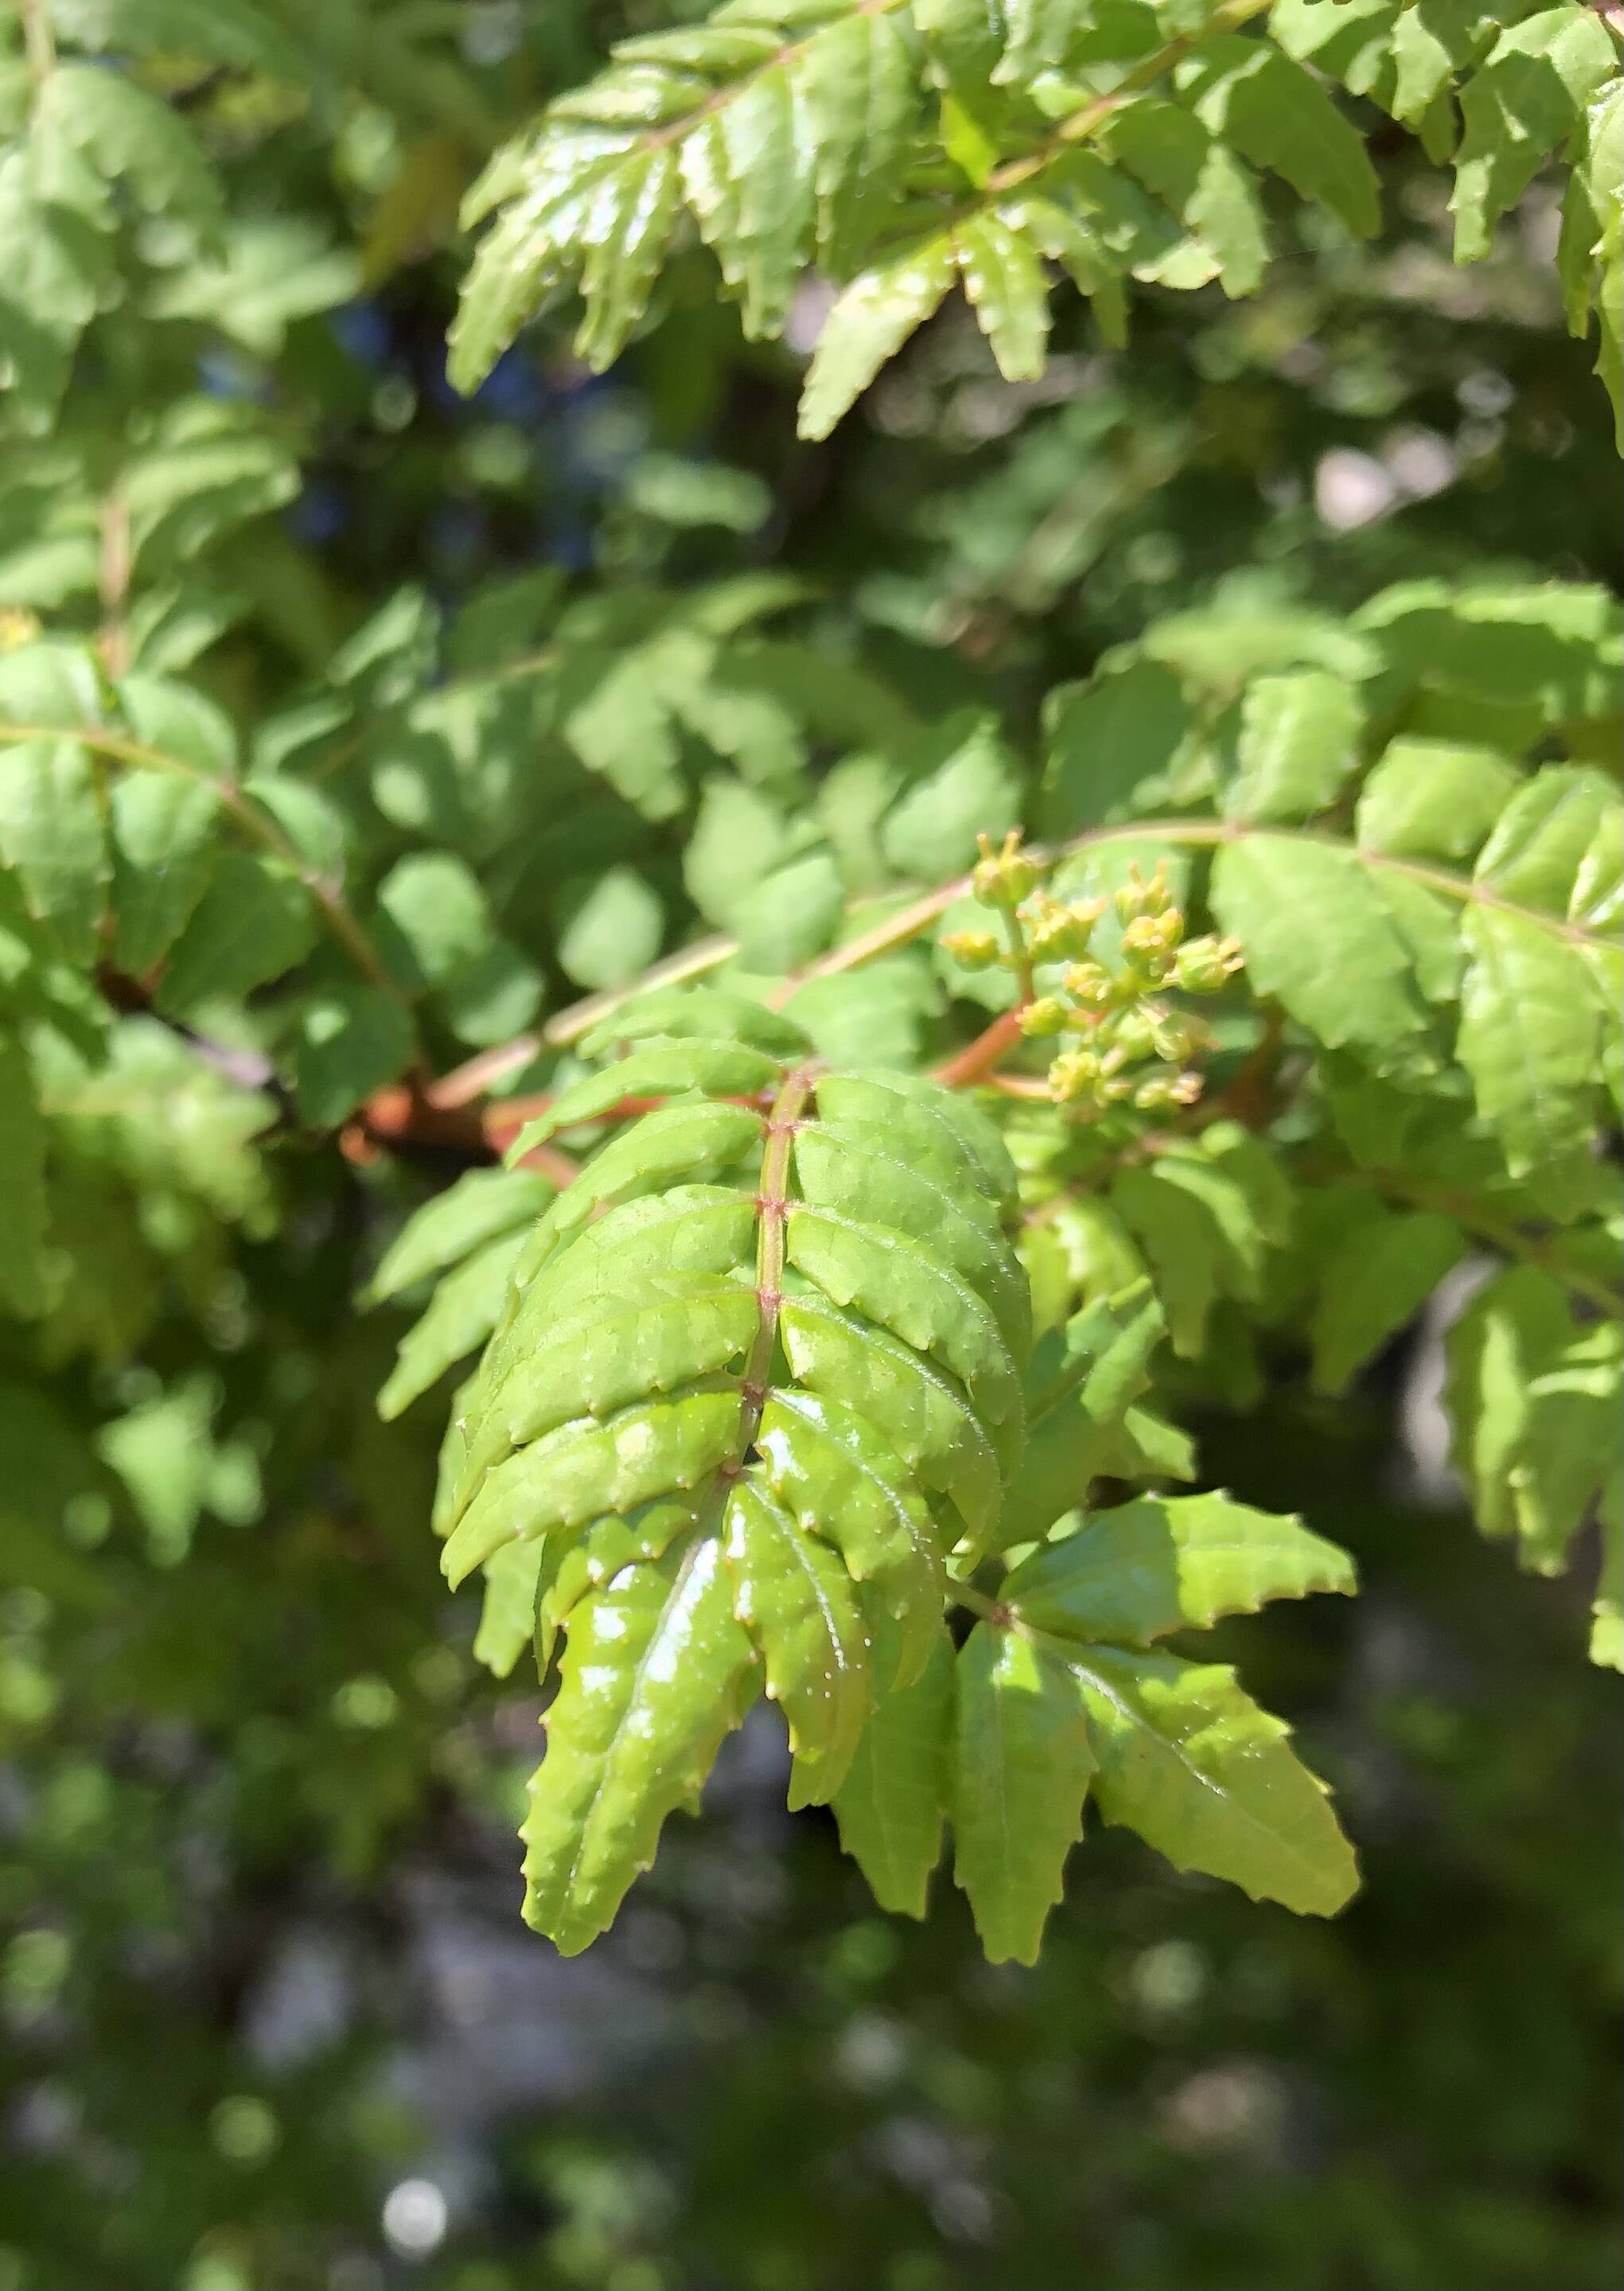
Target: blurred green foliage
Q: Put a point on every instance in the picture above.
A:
(266, 2018)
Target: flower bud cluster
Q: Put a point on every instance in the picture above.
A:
(1128, 1046)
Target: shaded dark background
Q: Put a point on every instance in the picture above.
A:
(268, 2017)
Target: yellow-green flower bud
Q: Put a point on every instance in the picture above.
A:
(1005, 877)
(1204, 964)
(1047, 1016)
(1091, 985)
(1154, 935)
(1159, 1093)
(1137, 897)
(974, 950)
(1055, 933)
(1174, 1036)
(1134, 1033)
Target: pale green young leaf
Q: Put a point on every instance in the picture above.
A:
(866, 1174)
(892, 1805)
(1514, 1326)
(494, 998)
(1426, 51)
(637, 207)
(795, 1599)
(1351, 40)
(1541, 839)
(51, 833)
(1205, 1777)
(1530, 1038)
(651, 1684)
(869, 324)
(1278, 115)
(1204, 1232)
(1023, 1761)
(667, 1331)
(1520, 103)
(1004, 281)
(1374, 1284)
(253, 922)
(460, 1317)
(507, 1617)
(1319, 937)
(833, 1469)
(161, 834)
(689, 1228)
(923, 1411)
(746, 181)
(792, 915)
(586, 1469)
(859, 85)
(349, 1042)
(943, 1138)
(1170, 1562)
(567, 1571)
(908, 1289)
(131, 138)
(1084, 1383)
(1201, 180)
(1115, 745)
(611, 928)
(435, 901)
(1296, 746)
(658, 1070)
(1550, 648)
(1569, 1453)
(479, 1207)
(713, 1011)
(236, 32)
(1597, 902)
(1432, 800)
(974, 789)
(1590, 254)
(681, 1140)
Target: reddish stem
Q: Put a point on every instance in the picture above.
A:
(977, 1059)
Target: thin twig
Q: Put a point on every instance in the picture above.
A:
(40, 40)
(907, 922)
(976, 1061)
(113, 582)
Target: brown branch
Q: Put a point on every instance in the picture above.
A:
(976, 1061)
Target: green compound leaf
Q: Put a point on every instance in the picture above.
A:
(1022, 1760)
(1296, 746)
(1534, 1399)
(789, 1329)
(1190, 1761)
(652, 1679)
(464, 1309)
(1170, 1562)
(1084, 1383)
(1319, 936)
(662, 1070)
(794, 1594)
(1374, 1285)
(479, 1207)
(892, 1805)
(903, 148)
